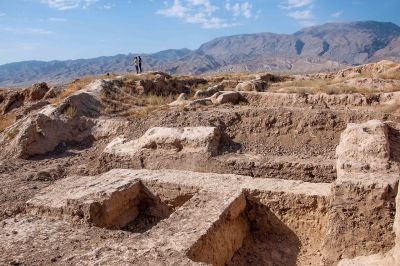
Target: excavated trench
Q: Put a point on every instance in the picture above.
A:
(143, 209)
(266, 233)
(283, 143)
(282, 136)
(268, 241)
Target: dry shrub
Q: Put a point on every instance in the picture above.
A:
(121, 103)
(157, 100)
(71, 112)
(12, 133)
(126, 104)
(6, 121)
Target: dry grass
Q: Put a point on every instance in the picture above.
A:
(6, 121)
(342, 89)
(328, 86)
(76, 86)
(71, 112)
(391, 75)
(244, 76)
(317, 83)
(156, 100)
(143, 112)
(133, 77)
(393, 108)
(122, 103)
(12, 133)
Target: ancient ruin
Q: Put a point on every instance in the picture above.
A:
(151, 169)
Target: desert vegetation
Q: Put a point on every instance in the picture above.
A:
(77, 85)
(6, 120)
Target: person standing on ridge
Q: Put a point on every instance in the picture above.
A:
(140, 64)
(136, 63)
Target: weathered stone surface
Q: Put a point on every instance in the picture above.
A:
(363, 197)
(226, 97)
(364, 148)
(38, 91)
(215, 225)
(108, 201)
(229, 84)
(52, 125)
(181, 100)
(186, 140)
(252, 85)
(361, 219)
(12, 101)
(338, 101)
(391, 257)
(209, 92)
(396, 227)
(111, 204)
(55, 91)
(220, 97)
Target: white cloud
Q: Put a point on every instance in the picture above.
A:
(290, 4)
(58, 19)
(40, 31)
(176, 10)
(26, 30)
(209, 22)
(108, 6)
(337, 14)
(201, 12)
(204, 4)
(301, 15)
(300, 10)
(239, 9)
(258, 14)
(68, 4)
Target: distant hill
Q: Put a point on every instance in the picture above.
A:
(326, 47)
(28, 72)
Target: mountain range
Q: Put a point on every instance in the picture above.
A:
(319, 48)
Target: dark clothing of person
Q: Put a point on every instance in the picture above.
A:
(137, 69)
(140, 64)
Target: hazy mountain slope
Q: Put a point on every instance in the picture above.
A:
(242, 47)
(345, 43)
(24, 73)
(348, 43)
(325, 47)
(171, 54)
(391, 51)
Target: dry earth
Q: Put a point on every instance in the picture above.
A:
(239, 169)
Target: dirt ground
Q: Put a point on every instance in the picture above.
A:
(265, 137)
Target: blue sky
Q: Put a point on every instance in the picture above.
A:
(71, 29)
